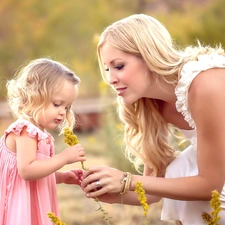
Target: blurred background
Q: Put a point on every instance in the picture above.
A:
(68, 31)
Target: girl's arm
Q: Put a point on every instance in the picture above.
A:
(207, 107)
(69, 176)
(30, 168)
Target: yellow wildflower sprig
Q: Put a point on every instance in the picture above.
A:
(142, 199)
(215, 204)
(71, 139)
(55, 219)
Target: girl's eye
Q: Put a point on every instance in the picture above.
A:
(119, 67)
(56, 105)
(67, 108)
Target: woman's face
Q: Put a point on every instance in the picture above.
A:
(128, 74)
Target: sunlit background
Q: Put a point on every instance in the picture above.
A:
(68, 31)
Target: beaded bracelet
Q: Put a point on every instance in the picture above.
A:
(126, 181)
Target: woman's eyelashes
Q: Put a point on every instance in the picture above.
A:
(119, 67)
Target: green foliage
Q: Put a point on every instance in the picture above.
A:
(67, 31)
(204, 22)
(62, 30)
(212, 21)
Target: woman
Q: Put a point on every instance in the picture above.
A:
(159, 85)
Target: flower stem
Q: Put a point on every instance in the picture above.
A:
(71, 139)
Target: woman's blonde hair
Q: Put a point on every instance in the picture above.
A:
(29, 93)
(142, 35)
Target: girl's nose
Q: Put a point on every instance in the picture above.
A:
(62, 111)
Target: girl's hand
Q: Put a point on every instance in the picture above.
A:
(71, 176)
(100, 180)
(73, 154)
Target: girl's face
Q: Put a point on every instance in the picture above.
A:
(59, 104)
(128, 74)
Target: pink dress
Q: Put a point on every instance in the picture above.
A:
(26, 202)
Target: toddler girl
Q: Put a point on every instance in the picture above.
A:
(40, 97)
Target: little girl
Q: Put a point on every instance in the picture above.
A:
(40, 97)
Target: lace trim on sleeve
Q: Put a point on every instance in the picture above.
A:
(31, 129)
(189, 71)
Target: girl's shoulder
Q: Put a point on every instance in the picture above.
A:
(32, 130)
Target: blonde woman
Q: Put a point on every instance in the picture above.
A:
(40, 97)
(159, 85)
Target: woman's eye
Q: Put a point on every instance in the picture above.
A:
(119, 67)
(106, 68)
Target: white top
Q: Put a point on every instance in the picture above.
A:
(190, 212)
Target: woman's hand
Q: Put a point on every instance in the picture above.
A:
(100, 180)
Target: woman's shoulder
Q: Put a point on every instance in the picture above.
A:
(207, 90)
(202, 63)
(200, 75)
(208, 81)
(204, 74)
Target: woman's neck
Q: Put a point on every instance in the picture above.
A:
(170, 114)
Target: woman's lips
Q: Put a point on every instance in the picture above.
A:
(120, 91)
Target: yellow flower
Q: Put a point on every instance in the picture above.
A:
(55, 219)
(207, 218)
(215, 204)
(142, 199)
(71, 139)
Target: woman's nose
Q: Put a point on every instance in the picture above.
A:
(113, 79)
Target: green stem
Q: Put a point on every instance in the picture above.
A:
(82, 165)
(103, 211)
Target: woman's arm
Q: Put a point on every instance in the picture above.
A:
(131, 197)
(113, 176)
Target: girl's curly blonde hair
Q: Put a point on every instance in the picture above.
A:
(29, 93)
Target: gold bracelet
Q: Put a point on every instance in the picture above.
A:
(126, 181)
